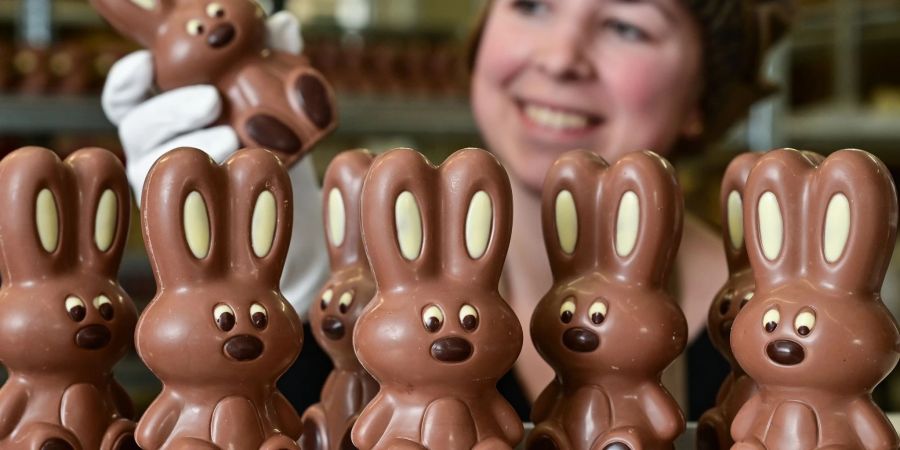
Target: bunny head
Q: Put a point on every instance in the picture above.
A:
(217, 237)
(611, 234)
(350, 287)
(191, 40)
(436, 238)
(819, 236)
(61, 243)
(738, 288)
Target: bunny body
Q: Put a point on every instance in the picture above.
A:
(67, 320)
(218, 333)
(437, 336)
(349, 388)
(815, 335)
(607, 326)
(274, 99)
(714, 426)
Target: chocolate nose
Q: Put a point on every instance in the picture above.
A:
(451, 349)
(725, 330)
(92, 337)
(581, 340)
(333, 328)
(244, 347)
(785, 352)
(221, 35)
(314, 100)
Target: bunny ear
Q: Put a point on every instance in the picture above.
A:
(182, 217)
(476, 216)
(732, 200)
(37, 229)
(341, 189)
(399, 210)
(773, 218)
(642, 201)
(568, 210)
(853, 219)
(260, 213)
(137, 19)
(104, 210)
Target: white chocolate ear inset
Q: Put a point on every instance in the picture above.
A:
(105, 220)
(628, 223)
(837, 227)
(262, 228)
(479, 221)
(46, 218)
(566, 221)
(145, 4)
(771, 225)
(735, 209)
(409, 225)
(337, 217)
(196, 225)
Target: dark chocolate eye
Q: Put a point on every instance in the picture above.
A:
(75, 307)
(345, 301)
(468, 317)
(805, 322)
(724, 306)
(771, 320)
(567, 310)
(326, 298)
(104, 306)
(215, 10)
(194, 27)
(259, 317)
(224, 316)
(433, 318)
(597, 312)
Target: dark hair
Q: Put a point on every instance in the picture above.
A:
(736, 34)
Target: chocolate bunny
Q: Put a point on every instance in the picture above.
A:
(714, 427)
(65, 320)
(218, 333)
(437, 336)
(607, 326)
(272, 99)
(349, 387)
(816, 336)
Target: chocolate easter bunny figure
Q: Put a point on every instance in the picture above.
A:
(272, 99)
(714, 427)
(607, 326)
(219, 333)
(349, 387)
(816, 336)
(437, 336)
(65, 320)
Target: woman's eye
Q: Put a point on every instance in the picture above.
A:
(529, 7)
(626, 31)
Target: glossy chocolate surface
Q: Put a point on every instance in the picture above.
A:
(65, 321)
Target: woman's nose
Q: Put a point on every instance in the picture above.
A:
(564, 55)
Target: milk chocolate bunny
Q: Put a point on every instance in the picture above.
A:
(437, 336)
(272, 99)
(607, 326)
(349, 387)
(816, 336)
(714, 427)
(65, 320)
(218, 333)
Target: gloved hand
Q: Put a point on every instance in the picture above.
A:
(150, 126)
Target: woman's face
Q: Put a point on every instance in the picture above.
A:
(610, 76)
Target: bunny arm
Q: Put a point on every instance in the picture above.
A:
(871, 425)
(235, 424)
(76, 400)
(546, 402)
(13, 402)
(587, 399)
(448, 424)
(662, 412)
(122, 400)
(288, 420)
(743, 422)
(372, 423)
(725, 389)
(157, 424)
(508, 420)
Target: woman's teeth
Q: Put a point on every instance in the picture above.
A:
(556, 119)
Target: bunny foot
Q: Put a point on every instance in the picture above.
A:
(492, 444)
(545, 437)
(188, 443)
(403, 444)
(315, 434)
(120, 436)
(713, 432)
(279, 442)
(44, 436)
(625, 438)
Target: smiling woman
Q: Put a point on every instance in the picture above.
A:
(613, 77)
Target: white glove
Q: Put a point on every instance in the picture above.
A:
(151, 126)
